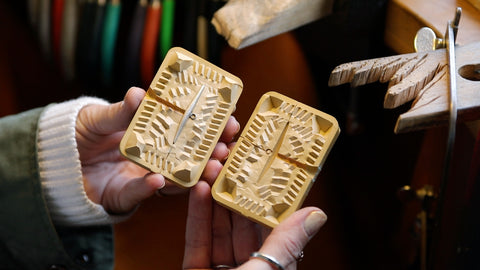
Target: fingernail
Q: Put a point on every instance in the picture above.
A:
(314, 221)
(226, 157)
(163, 185)
(152, 174)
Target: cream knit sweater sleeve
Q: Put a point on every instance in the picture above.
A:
(61, 170)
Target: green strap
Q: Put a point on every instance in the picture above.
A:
(109, 38)
(166, 32)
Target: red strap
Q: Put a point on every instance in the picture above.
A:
(57, 13)
(149, 43)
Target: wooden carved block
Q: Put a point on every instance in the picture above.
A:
(276, 159)
(247, 22)
(422, 78)
(181, 118)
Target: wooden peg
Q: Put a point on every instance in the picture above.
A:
(423, 79)
(427, 40)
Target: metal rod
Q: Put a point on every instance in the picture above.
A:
(452, 122)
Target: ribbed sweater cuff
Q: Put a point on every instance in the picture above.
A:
(61, 170)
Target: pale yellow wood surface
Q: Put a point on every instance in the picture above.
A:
(180, 120)
(423, 78)
(405, 17)
(276, 159)
(246, 22)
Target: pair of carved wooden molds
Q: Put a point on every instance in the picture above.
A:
(272, 166)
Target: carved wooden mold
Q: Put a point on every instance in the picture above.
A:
(276, 159)
(181, 118)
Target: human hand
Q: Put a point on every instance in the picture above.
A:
(111, 180)
(217, 238)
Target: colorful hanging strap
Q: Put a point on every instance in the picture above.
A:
(93, 50)
(109, 39)
(149, 42)
(85, 30)
(56, 28)
(131, 69)
(69, 38)
(44, 27)
(166, 32)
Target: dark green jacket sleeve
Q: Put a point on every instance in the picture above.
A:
(28, 238)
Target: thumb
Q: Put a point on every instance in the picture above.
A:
(288, 239)
(115, 117)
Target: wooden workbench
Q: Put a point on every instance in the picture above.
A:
(405, 17)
